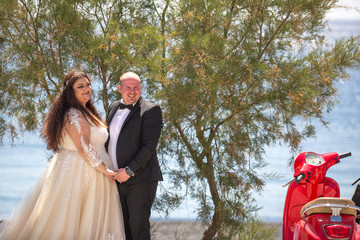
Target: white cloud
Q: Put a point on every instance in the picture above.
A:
(345, 10)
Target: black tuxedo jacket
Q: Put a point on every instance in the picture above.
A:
(138, 139)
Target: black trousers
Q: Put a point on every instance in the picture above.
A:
(136, 201)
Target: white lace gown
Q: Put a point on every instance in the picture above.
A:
(71, 200)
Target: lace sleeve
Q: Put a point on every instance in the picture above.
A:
(79, 130)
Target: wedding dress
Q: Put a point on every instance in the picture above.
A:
(71, 200)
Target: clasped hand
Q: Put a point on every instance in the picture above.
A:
(121, 175)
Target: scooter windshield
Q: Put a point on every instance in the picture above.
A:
(314, 159)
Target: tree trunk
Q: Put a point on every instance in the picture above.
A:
(212, 228)
(216, 220)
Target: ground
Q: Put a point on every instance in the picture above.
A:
(177, 230)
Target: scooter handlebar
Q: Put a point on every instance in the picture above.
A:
(301, 176)
(344, 155)
(297, 179)
(288, 183)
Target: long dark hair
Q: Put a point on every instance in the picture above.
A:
(55, 119)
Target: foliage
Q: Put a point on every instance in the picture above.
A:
(239, 76)
(232, 77)
(251, 229)
(42, 40)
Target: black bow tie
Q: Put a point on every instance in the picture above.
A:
(122, 106)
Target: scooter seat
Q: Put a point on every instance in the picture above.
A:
(327, 209)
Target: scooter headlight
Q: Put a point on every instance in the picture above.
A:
(314, 159)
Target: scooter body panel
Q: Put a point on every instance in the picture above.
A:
(313, 227)
(300, 194)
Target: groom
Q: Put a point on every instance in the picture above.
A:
(134, 127)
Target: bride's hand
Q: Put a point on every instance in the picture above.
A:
(110, 175)
(107, 172)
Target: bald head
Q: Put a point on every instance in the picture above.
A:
(130, 87)
(129, 75)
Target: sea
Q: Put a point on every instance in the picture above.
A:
(23, 162)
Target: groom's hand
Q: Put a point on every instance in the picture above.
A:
(121, 175)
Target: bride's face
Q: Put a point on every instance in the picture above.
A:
(82, 90)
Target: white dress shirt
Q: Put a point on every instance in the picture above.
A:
(115, 127)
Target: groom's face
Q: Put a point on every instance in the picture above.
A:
(130, 90)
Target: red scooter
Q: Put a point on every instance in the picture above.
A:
(313, 207)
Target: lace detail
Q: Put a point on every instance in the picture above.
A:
(67, 162)
(87, 176)
(74, 118)
(113, 236)
(92, 155)
(78, 122)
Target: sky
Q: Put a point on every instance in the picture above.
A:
(344, 13)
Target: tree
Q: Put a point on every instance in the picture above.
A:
(39, 42)
(43, 40)
(238, 77)
(231, 76)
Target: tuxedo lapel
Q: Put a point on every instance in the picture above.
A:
(112, 112)
(134, 110)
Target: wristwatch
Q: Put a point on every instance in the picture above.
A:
(129, 172)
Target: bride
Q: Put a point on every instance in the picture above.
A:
(76, 197)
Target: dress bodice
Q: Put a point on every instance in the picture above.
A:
(98, 137)
(82, 136)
